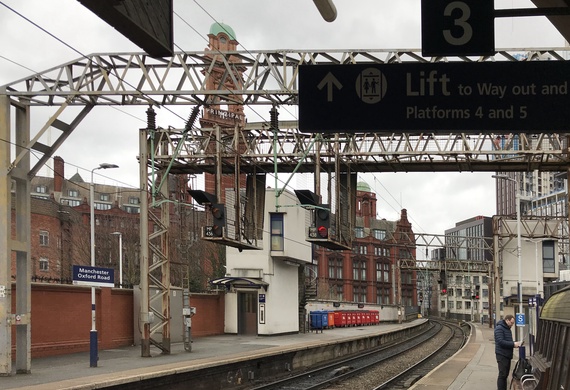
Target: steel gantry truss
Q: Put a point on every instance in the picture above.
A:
(263, 78)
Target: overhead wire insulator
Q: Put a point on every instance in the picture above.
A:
(192, 119)
(150, 118)
(274, 114)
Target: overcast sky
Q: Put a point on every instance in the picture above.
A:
(435, 202)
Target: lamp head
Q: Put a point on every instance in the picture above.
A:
(327, 9)
(108, 166)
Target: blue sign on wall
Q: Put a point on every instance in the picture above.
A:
(519, 319)
(84, 275)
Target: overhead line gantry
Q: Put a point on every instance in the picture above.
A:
(268, 78)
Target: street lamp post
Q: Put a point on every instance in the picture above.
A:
(93, 353)
(120, 257)
(519, 254)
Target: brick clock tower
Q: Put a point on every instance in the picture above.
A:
(229, 116)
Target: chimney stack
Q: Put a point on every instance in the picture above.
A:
(58, 174)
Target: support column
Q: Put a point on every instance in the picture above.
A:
(165, 261)
(22, 244)
(496, 268)
(144, 321)
(5, 239)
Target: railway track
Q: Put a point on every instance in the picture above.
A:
(346, 373)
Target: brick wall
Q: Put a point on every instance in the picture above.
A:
(209, 319)
(61, 318)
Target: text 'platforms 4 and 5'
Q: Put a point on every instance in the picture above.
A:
(466, 97)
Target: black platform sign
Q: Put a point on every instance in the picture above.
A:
(452, 27)
(468, 97)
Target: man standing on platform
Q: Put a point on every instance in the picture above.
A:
(504, 346)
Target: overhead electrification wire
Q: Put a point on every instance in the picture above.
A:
(150, 99)
(247, 51)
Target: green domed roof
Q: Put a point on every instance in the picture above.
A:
(217, 28)
(362, 186)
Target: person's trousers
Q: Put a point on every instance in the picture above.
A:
(504, 364)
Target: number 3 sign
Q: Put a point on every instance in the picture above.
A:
(462, 27)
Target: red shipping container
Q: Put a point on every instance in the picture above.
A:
(339, 318)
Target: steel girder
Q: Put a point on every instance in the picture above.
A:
(366, 152)
(270, 78)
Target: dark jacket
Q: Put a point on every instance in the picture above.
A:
(504, 343)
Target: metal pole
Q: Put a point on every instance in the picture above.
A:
(121, 260)
(519, 257)
(120, 257)
(93, 347)
(93, 335)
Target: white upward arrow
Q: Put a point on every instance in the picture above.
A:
(329, 81)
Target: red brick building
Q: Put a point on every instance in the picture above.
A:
(370, 273)
(60, 231)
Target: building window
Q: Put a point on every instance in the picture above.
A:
(406, 277)
(338, 291)
(450, 305)
(134, 200)
(379, 234)
(335, 268)
(277, 235)
(102, 206)
(359, 269)
(548, 265)
(73, 193)
(44, 238)
(360, 249)
(105, 197)
(383, 272)
(44, 264)
(41, 189)
(383, 296)
(132, 210)
(359, 293)
(70, 202)
(359, 232)
(379, 251)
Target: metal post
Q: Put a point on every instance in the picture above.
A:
(93, 334)
(144, 320)
(519, 254)
(519, 257)
(93, 347)
(120, 257)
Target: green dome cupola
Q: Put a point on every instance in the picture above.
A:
(217, 28)
(363, 186)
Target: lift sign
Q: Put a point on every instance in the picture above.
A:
(472, 97)
(93, 276)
